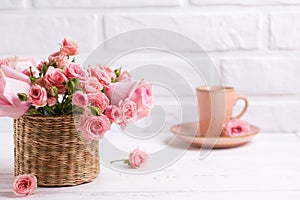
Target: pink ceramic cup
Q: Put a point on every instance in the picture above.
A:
(215, 108)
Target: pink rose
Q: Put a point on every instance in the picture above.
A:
(22, 63)
(92, 85)
(94, 127)
(3, 62)
(143, 98)
(129, 111)
(80, 99)
(27, 72)
(69, 47)
(120, 91)
(124, 76)
(25, 185)
(110, 72)
(73, 70)
(41, 65)
(101, 75)
(137, 158)
(55, 77)
(138, 92)
(37, 96)
(12, 82)
(99, 100)
(236, 127)
(51, 101)
(58, 59)
(34, 72)
(114, 114)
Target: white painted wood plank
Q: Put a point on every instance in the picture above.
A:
(268, 168)
(232, 195)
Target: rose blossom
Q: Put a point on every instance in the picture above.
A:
(58, 58)
(55, 77)
(12, 82)
(129, 111)
(92, 85)
(3, 62)
(138, 92)
(37, 96)
(114, 114)
(236, 127)
(137, 158)
(73, 70)
(24, 185)
(41, 65)
(34, 71)
(51, 101)
(27, 72)
(69, 47)
(143, 98)
(110, 72)
(80, 99)
(101, 75)
(99, 100)
(94, 127)
(83, 117)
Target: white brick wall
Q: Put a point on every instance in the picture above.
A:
(254, 43)
(280, 25)
(12, 4)
(213, 32)
(103, 3)
(245, 2)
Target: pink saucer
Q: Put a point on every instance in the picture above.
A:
(187, 133)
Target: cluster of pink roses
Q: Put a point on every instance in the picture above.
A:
(108, 96)
(59, 86)
(34, 88)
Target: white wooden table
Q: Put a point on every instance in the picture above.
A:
(267, 168)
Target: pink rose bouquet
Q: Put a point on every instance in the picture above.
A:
(59, 86)
(104, 99)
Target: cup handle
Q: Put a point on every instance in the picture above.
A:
(245, 107)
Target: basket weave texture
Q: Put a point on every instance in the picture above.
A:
(51, 148)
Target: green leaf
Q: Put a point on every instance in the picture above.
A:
(70, 86)
(95, 111)
(49, 110)
(114, 80)
(76, 81)
(127, 162)
(55, 90)
(77, 110)
(44, 69)
(33, 111)
(22, 96)
(118, 72)
(32, 79)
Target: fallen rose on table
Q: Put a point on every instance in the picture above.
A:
(136, 159)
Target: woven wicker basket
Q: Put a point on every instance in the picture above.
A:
(51, 148)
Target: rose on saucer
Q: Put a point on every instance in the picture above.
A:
(236, 127)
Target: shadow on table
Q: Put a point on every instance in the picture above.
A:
(179, 144)
(6, 184)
